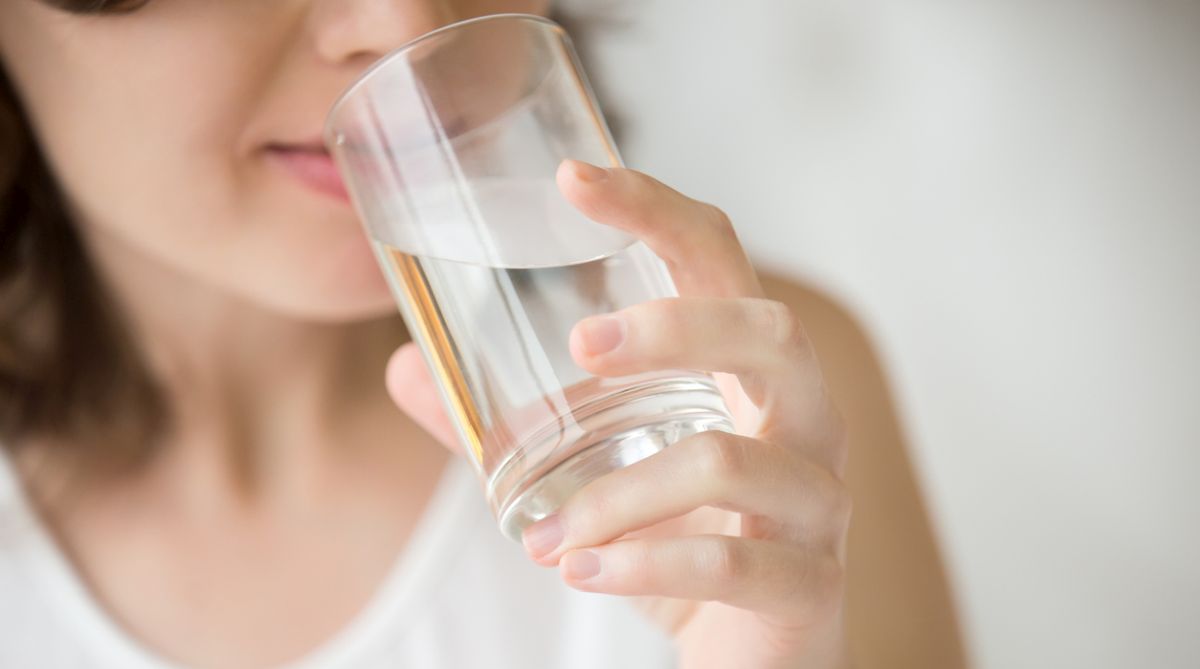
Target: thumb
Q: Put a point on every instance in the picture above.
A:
(413, 390)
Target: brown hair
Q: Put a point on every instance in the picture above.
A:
(69, 371)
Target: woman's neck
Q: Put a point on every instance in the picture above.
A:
(257, 397)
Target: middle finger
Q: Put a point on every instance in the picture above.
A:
(761, 341)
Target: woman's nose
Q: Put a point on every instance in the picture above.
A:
(345, 30)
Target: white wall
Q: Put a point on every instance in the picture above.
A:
(1007, 193)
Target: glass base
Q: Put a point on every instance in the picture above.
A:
(598, 455)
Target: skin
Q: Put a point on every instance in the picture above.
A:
(259, 309)
(735, 543)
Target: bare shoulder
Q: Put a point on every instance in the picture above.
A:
(900, 611)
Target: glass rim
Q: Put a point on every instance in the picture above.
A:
(367, 74)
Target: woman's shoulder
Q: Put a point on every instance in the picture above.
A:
(891, 569)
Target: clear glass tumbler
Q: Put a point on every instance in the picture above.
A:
(448, 147)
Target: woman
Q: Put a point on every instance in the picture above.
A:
(202, 467)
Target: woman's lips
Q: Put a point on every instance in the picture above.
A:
(313, 166)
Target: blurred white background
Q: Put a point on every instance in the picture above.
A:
(1006, 193)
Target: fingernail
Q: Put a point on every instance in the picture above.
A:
(581, 565)
(601, 334)
(589, 172)
(543, 536)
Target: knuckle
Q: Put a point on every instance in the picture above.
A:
(817, 588)
(782, 327)
(722, 227)
(636, 563)
(589, 507)
(839, 442)
(796, 584)
(659, 322)
(728, 562)
(672, 314)
(723, 456)
(839, 431)
(643, 190)
(841, 504)
(718, 219)
(754, 384)
(830, 586)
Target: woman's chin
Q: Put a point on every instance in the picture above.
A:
(341, 287)
(346, 314)
(329, 305)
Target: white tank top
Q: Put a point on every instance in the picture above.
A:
(459, 596)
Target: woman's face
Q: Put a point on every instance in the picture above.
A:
(189, 132)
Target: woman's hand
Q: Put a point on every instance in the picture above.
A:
(735, 544)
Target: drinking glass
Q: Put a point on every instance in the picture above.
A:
(448, 147)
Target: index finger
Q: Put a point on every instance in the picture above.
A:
(695, 239)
